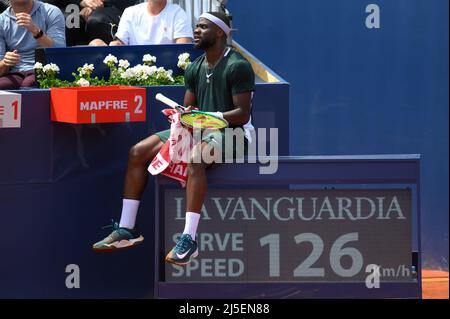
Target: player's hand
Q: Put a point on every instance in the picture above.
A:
(93, 4)
(11, 58)
(24, 20)
(189, 109)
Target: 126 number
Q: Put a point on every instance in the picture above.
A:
(305, 269)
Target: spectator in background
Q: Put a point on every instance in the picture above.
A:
(24, 26)
(152, 22)
(3, 5)
(98, 19)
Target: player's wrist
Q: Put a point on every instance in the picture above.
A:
(3, 64)
(33, 29)
(38, 33)
(216, 114)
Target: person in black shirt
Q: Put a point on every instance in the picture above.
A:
(98, 19)
(3, 5)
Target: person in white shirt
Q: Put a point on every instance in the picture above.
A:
(152, 22)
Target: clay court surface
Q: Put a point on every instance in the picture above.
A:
(434, 284)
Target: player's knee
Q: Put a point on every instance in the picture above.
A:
(136, 153)
(201, 153)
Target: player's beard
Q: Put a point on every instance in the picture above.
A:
(204, 44)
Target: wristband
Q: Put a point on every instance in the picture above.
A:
(216, 114)
(40, 34)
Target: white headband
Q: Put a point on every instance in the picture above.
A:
(217, 22)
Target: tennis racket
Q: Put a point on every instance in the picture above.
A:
(194, 119)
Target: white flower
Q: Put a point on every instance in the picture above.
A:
(51, 68)
(124, 64)
(38, 66)
(162, 74)
(184, 57)
(110, 60)
(147, 71)
(83, 82)
(149, 59)
(125, 75)
(152, 70)
(183, 65)
(87, 69)
(129, 74)
(184, 61)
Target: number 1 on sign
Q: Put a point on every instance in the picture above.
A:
(273, 240)
(10, 110)
(15, 106)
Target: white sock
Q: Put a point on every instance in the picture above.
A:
(129, 212)
(191, 223)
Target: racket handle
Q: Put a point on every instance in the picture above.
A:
(167, 101)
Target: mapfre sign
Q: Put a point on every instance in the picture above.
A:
(108, 104)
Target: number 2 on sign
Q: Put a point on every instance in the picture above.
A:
(138, 99)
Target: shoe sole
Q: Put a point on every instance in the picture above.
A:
(122, 245)
(194, 255)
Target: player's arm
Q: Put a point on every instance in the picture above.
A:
(241, 114)
(242, 78)
(190, 101)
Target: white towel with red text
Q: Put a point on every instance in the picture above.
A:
(172, 159)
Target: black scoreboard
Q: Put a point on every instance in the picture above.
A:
(295, 234)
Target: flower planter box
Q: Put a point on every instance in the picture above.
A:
(104, 104)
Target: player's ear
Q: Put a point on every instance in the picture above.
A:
(220, 33)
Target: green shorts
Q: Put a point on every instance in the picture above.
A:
(216, 138)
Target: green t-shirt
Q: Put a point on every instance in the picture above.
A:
(232, 75)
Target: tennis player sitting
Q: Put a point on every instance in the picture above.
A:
(220, 81)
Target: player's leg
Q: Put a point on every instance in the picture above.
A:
(136, 177)
(187, 248)
(139, 157)
(125, 234)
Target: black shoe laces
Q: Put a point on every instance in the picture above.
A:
(114, 225)
(116, 228)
